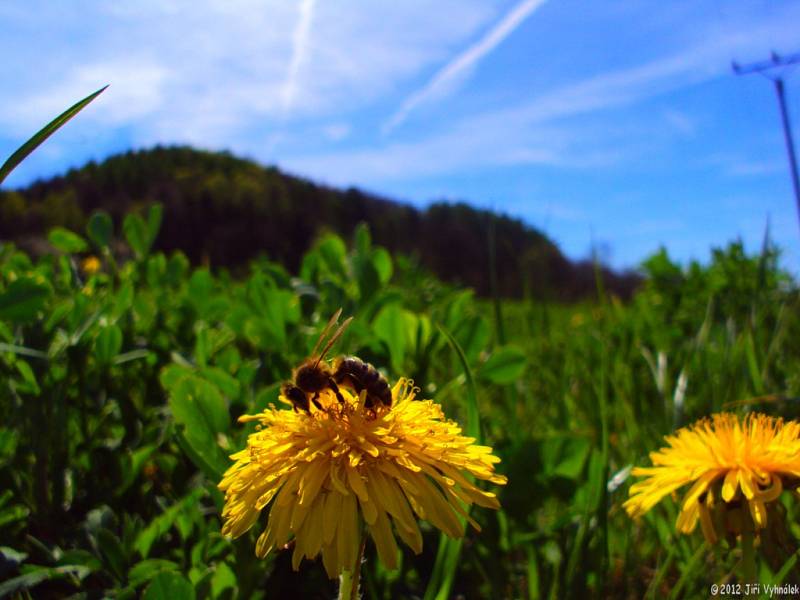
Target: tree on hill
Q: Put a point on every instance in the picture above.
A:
(228, 210)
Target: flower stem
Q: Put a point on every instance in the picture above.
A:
(349, 580)
(748, 558)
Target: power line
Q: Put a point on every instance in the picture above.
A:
(776, 61)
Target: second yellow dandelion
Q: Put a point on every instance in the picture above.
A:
(736, 468)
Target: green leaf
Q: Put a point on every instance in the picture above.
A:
(9, 555)
(473, 335)
(13, 513)
(172, 374)
(45, 133)
(390, 327)
(154, 217)
(196, 403)
(363, 239)
(144, 571)
(8, 444)
(227, 384)
(135, 230)
(31, 385)
(134, 461)
(505, 365)
(169, 586)
(224, 579)
(38, 575)
(67, 241)
(100, 228)
(367, 277)
(123, 301)
(201, 287)
(23, 299)
(382, 261)
(80, 557)
(177, 267)
(202, 344)
(112, 552)
(108, 344)
(274, 309)
(198, 406)
(156, 268)
(564, 456)
(333, 252)
(162, 523)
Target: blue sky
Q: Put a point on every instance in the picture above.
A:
(613, 124)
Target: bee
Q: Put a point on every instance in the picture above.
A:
(358, 375)
(315, 374)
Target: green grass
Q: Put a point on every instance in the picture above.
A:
(121, 393)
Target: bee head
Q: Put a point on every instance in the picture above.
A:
(297, 397)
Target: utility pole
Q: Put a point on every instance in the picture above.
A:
(761, 68)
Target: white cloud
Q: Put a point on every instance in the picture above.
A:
(461, 147)
(446, 78)
(336, 131)
(300, 44)
(222, 74)
(546, 130)
(215, 71)
(745, 168)
(680, 122)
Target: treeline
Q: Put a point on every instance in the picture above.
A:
(225, 211)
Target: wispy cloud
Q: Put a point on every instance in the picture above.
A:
(680, 122)
(569, 126)
(448, 75)
(760, 158)
(219, 74)
(300, 43)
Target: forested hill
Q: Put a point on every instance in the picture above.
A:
(227, 210)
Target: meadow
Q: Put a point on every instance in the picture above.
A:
(130, 374)
(124, 378)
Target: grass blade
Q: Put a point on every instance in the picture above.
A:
(446, 565)
(44, 133)
(785, 569)
(22, 350)
(689, 572)
(498, 314)
(473, 425)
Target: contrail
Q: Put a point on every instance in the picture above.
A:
(299, 51)
(461, 63)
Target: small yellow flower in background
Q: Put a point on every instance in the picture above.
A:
(737, 468)
(577, 320)
(330, 472)
(90, 265)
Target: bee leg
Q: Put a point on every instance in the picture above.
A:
(336, 391)
(315, 400)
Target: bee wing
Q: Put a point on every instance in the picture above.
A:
(325, 331)
(333, 339)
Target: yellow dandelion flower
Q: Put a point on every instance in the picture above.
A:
(329, 473)
(736, 467)
(90, 265)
